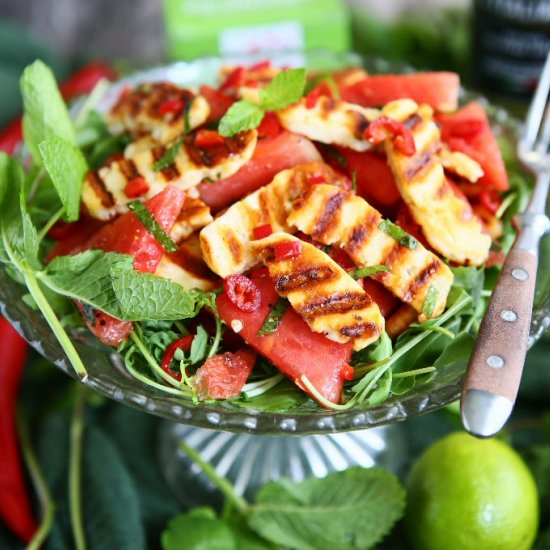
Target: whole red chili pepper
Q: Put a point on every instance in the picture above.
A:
(15, 508)
(81, 82)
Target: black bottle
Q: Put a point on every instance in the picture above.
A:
(511, 39)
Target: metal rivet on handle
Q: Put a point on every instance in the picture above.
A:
(508, 315)
(520, 274)
(495, 361)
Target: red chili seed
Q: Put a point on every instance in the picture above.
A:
(262, 231)
(287, 250)
(136, 187)
(242, 292)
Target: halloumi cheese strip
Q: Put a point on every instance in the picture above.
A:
(447, 220)
(187, 268)
(104, 190)
(335, 216)
(194, 215)
(225, 242)
(329, 121)
(161, 109)
(321, 292)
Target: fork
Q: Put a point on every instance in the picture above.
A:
(496, 363)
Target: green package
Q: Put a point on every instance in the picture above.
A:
(235, 27)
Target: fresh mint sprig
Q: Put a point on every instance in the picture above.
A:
(286, 88)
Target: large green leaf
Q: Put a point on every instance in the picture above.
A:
(345, 510)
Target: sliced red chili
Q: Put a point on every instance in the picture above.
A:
(490, 200)
(172, 106)
(182, 343)
(316, 179)
(260, 65)
(208, 138)
(242, 293)
(384, 127)
(313, 97)
(285, 251)
(136, 187)
(262, 231)
(234, 78)
(347, 372)
(270, 126)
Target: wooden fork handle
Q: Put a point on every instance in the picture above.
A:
(497, 361)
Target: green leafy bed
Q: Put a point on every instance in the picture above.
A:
(34, 198)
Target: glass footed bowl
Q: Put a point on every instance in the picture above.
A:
(108, 375)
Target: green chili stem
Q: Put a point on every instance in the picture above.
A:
(47, 505)
(75, 469)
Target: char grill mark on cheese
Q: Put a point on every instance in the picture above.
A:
(447, 221)
(103, 191)
(322, 293)
(141, 111)
(226, 240)
(354, 226)
(329, 121)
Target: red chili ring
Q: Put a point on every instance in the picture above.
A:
(242, 293)
(182, 343)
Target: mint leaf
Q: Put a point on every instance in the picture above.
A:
(286, 88)
(66, 167)
(345, 510)
(44, 111)
(199, 529)
(152, 225)
(430, 301)
(397, 234)
(241, 116)
(15, 220)
(170, 155)
(272, 321)
(142, 296)
(108, 281)
(368, 270)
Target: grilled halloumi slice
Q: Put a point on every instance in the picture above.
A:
(194, 215)
(335, 216)
(329, 121)
(103, 191)
(160, 109)
(144, 143)
(447, 220)
(460, 164)
(322, 293)
(186, 267)
(225, 242)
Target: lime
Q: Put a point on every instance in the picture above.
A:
(468, 493)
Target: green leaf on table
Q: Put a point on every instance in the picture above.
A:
(241, 116)
(112, 515)
(352, 509)
(199, 529)
(286, 88)
(66, 167)
(108, 281)
(44, 111)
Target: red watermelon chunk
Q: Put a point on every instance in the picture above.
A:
(469, 131)
(272, 155)
(438, 89)
(224, 375)
(293, 348)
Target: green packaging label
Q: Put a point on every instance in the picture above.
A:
(231, 27)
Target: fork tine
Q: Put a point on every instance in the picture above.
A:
(544, 139)
(536, 110)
